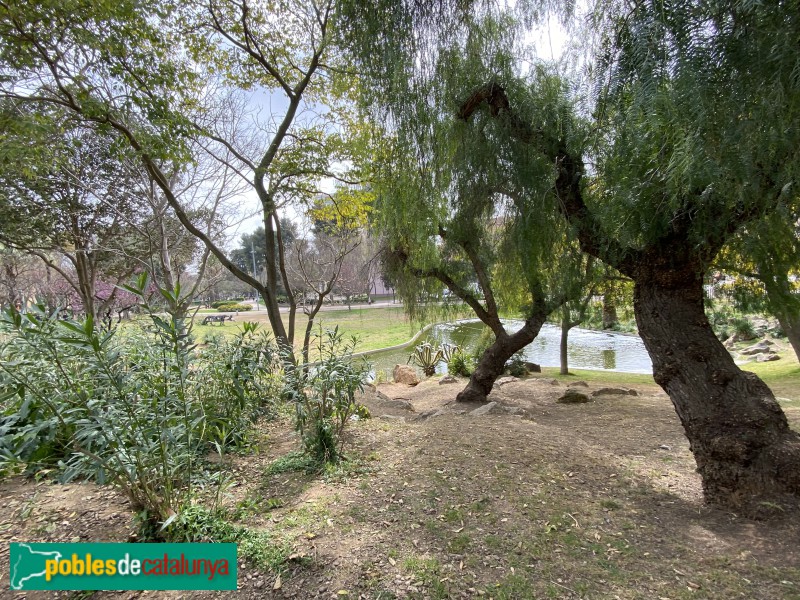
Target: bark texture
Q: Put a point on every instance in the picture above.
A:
(493, 361)
(739, 435)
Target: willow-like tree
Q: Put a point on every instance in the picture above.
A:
(696, 108)
(453, 209)
(765, 257)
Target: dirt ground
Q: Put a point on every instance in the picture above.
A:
(594, 500)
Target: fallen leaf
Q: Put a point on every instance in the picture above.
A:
(392, 561)
(277, 584)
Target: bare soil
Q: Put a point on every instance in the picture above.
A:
(595, 500)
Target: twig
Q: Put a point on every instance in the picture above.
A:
(563, 586)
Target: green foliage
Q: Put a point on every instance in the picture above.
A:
(197, 524)
(426, 357)
(236, 380)
(137, 411)
(516, 365)
(324, 394)
(743, 328)
(485, 340)
(460, 364)
(233, 307)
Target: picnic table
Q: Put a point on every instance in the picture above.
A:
(217, 319)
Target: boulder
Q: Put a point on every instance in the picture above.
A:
(504, 380)
(429, 414)
(769, 357)
(392, 418)
(547, 380)
(492, 408)
(762, 346)
(401, 403)
(578, 384)
(611, 391)
(730, 343)
(572, 396)
(405, 374)
(532, 367)
(447, 379)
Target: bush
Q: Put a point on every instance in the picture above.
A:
(516, 365)
(460, 364)
(235, 381)
(324, 395)
(485, 340)
(743, 328)
(137, 410)
(233, 307)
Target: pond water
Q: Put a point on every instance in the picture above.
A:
(587, 349)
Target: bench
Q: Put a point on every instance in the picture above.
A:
(217, 319)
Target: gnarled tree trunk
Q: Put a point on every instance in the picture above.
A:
(739, 436)
(493, 361)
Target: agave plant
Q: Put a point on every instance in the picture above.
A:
(448, 350)
(426, 357)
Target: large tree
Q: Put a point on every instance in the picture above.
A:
(163, 78)
(66, 198)
(696, 108)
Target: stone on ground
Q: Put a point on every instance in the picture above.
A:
(405, 374)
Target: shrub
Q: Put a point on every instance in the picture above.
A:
(235, 383)
(485, 340)
(460, 364)
(233, 307)
(136, 410)
(324, 394)
(516, 365)
(743, 328)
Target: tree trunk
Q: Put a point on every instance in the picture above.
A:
(610, 319)
(784, 304)
(741, 441)
(494, 359)
(790, 323)
(566, 325)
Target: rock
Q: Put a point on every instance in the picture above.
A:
(405, 374)
(573, 397)
(447, 379)
(504, 380)
(578, 384)
(429, 414)
(401, 403)
(392, 418)
(767, 357)
(532, 367)
(610, 391)
(547, 380)
(492, 408)
(762, 346)
(730, 343)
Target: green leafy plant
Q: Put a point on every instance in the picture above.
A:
(233, 307)
(138, 410)
(516, 365)
(426, 357)
(460, 364)
(324, 394)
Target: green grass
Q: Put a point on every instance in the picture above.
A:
(375, 327)
(782, 376)
(597, 376)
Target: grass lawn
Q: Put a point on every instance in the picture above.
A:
(375, 327)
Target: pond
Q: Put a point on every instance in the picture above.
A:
(587, 349)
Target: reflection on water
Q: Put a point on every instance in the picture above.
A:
(597, 350)
(610, 359)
